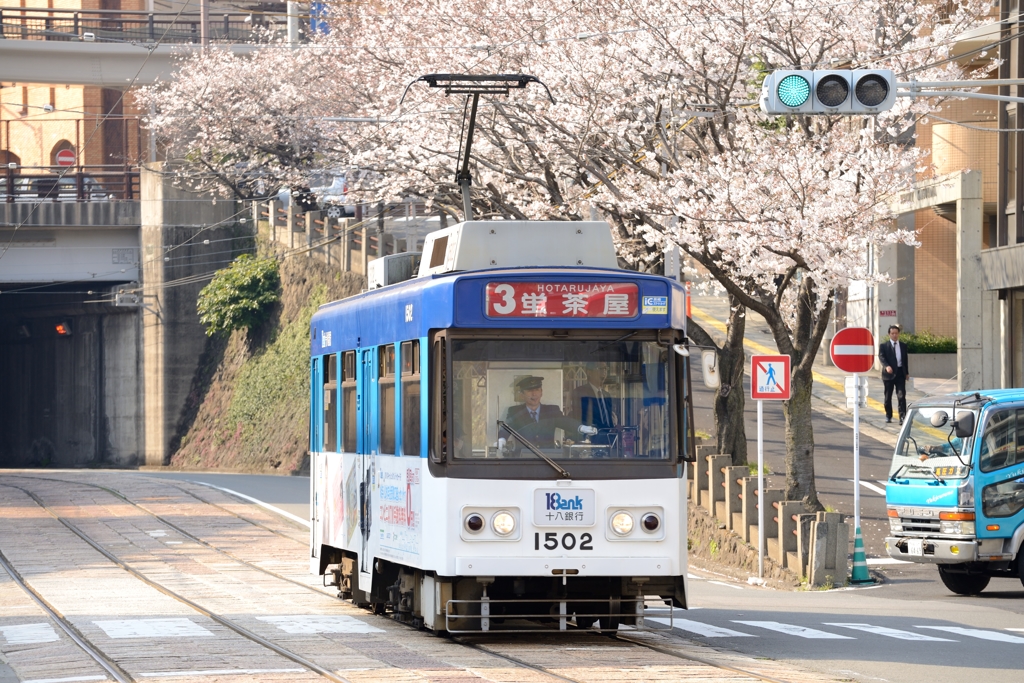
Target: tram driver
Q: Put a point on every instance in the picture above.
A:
(538, 421)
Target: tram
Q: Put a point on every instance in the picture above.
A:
(500, 441)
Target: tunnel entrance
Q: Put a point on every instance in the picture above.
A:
(70, 380)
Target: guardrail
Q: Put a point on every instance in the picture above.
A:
(27, 23)
(97, 183)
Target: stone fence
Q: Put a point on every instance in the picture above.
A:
(813, 546)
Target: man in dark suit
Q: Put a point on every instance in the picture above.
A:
(537, 421)
(591, 404)
(895, 372)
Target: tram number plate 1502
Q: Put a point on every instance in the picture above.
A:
(563, 507)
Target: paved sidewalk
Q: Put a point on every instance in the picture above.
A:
(829, 390)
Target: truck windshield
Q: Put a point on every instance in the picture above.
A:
(930, 452)
(569, 399)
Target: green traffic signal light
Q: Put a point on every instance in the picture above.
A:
(794, 90)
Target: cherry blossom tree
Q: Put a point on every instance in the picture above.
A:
(655, 126)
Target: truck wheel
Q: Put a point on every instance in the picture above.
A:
(963, 583)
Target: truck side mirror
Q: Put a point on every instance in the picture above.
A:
(964, 425)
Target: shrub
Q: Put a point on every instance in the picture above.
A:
(926, 342)
(239, 296)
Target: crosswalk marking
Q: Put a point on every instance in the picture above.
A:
(890, 632)
(706, 630)
(317, 623)
(792, 630)
(29, 634)
(978, 633)
(152, 628)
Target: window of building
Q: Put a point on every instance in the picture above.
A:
(386, 396)
(348, 401)
(411, 397)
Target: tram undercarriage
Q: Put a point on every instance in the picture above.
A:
(503, 603)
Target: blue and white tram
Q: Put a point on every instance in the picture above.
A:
(497, 441)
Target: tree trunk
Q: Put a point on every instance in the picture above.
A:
(800, 483)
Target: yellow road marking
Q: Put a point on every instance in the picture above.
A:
(761, 348)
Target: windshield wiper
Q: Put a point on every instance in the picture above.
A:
(536, 451)
(911, 467)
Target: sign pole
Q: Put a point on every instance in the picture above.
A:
(856, 452)
(760, 489)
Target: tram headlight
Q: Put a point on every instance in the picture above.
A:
(650, 522)
(622, 523)
(474, 522)
(503, 523)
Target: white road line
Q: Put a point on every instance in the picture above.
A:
(29, 634)
(727, 585)
(220, 672)
(153, 628)
(283, 513)
(72, 679)
(886, 560)
(881, 483)
(706, 630)
(1015, 629)
(791, 630)
(869, 486)
(891, 632)
(978, 633)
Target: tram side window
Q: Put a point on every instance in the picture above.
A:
(330, 417)
(386, 394)
(411, 397)
(348, 401)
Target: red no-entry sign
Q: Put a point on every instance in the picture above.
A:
(853, 349)
(66, 157)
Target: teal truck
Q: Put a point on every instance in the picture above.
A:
(955, 495)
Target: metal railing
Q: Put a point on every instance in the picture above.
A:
(29, 23)
(96, 183)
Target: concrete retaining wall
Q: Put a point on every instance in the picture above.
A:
(933, 365)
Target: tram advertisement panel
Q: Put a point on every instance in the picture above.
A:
(562, 300)
(398, 500)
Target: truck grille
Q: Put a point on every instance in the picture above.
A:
(920, 525)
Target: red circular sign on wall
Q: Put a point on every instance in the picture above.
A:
(66, 157)
(853, 349)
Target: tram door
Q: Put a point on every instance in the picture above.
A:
(367, 450)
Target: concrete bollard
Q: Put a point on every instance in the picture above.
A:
(748, 511)
(700, 474)
(771, 527)
(787, 511)
(803, 544)
(716, 492)
(829, 551)
(732, 476)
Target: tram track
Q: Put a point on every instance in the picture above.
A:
(223, 621)
(299, 659)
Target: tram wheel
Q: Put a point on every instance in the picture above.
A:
(963, 583)
(1020, 563)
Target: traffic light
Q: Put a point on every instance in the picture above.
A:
(843, 92)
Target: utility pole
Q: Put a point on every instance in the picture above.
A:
(293, 24)
(204, 23)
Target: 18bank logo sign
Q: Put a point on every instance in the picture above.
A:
(572, 507)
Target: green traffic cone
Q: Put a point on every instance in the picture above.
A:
(860, 563)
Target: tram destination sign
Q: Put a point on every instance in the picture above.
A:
(566, 300)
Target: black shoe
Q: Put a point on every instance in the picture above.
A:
(901, 420)
(888, 420)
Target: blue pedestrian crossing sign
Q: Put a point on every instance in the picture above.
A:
(769, 378)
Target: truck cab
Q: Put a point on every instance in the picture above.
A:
(955, 495)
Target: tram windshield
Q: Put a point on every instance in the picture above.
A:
(568, 399)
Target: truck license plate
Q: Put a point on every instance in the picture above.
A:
(915, 547)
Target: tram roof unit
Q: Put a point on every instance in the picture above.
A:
(456, 297)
